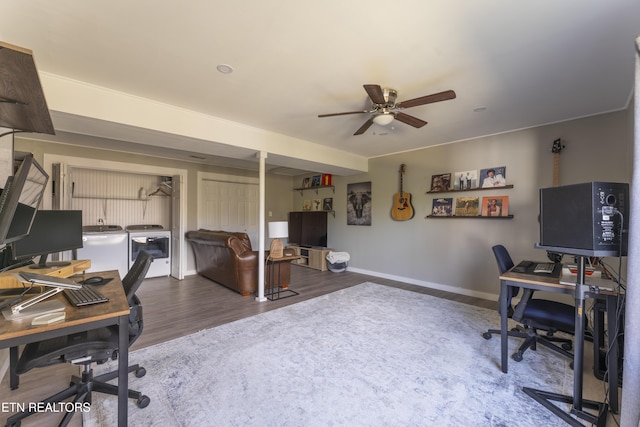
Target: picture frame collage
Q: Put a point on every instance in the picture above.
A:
(317, 204)
(470, 206)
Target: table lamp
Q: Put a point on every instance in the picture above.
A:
(277, 230)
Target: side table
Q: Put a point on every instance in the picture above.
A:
(274, 290)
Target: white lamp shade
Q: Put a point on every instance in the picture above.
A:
(383, 119)
(278, 229)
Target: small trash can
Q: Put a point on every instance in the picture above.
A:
(337, 262)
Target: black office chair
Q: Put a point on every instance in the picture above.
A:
(535, 315)
(85, 348)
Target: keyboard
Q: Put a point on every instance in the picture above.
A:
(85, 296)
(545, 267)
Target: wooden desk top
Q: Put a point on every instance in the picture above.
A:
(553, 283)
(116, 306)
(7, 279)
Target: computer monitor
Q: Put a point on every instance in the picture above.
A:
(52, 232)
(20, 199)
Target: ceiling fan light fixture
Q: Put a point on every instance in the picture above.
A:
(384, 119)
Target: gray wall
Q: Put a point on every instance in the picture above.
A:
(454, 254)
(451, 254)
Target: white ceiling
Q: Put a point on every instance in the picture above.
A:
(529, 62)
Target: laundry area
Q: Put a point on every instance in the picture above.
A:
(122, 214)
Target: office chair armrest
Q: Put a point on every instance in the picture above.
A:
(522, 305)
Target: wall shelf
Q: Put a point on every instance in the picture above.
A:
(470, 217)
(316, 188)
(331, 212)
(470, 189)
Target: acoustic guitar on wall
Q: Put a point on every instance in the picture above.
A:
(402, 209)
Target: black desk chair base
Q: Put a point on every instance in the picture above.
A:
(82, 388)
(531, 339)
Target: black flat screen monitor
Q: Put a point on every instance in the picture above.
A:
(20, 199)
(52, 232)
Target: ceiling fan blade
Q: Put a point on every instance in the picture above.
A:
(410, 120)
(436, 97)
(364, 127)
(343, 114)
(375, 93)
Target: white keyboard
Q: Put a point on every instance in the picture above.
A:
(545, 267)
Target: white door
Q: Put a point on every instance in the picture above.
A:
(230, 204)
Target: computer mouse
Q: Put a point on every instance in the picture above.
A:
(95, 280)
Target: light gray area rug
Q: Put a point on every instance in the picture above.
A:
(370, 355)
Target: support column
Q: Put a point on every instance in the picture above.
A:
(262, 155)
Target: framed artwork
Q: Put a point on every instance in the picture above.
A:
(441, 182)
(327, 204)
(493, 177)
(359, 203)
(306, 205)
(306, 182)
(495, 206)
(316, 204)
(315, 181)
(467, 206)
(442, 206)
(465, 180)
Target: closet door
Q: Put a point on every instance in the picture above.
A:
(229, 204)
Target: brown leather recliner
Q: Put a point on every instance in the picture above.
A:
(227, 258)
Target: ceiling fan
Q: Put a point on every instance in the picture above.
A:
(384, 109)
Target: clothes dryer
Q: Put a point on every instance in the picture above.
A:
(155, 240)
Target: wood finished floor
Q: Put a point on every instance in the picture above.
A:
(175, 308)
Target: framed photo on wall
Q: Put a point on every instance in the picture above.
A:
(442, 206)
(467, 206)
(495, 206)
(465, 180)
(493, 177)
(441, 182)
(327, 204)
(359, 203)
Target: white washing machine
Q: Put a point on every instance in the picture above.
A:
(107, 248)
(155, 240)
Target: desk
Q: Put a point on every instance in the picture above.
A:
(115, 312)
(551, 284)
(274, 287)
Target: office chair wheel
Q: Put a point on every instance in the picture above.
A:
(566, 346)
(143, 401)
(517, 357)
(486, 335)
(140, 372)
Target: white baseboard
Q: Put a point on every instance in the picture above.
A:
(430, 285)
